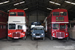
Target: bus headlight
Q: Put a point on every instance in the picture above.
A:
(66, 34)
(53, 34)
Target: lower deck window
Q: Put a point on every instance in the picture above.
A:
(55, 26)
(12, 26)
(19, 27)
(62, 26)
(58, 26)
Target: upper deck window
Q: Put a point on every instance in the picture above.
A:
(20, 13)
(55, 13)
(12, 13)
(63, 13)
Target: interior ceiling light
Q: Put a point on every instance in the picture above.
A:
(22, 2)
(1, 3)
(57, 4)
(4, 2)
(25, 8)
(16, 4)
(67, 2)
(70, 2)
(54, 3)
(73, 3)
(15, 8)
(8, 10)
(49, 9)
(58, 8)
(19, 3)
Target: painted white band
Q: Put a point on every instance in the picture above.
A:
(59, 22)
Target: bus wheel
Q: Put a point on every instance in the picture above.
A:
(9, 38)
(32, 38)
(24, 38)
(67, 38)
(51, 38)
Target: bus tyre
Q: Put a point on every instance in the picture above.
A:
(24, 38)
(67, 38)
(9, 38)
(51, 38)
(32, 38)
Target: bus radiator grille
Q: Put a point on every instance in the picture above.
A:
(59, 34)
(16, 34)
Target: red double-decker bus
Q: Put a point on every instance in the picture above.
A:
(17, 24)
(57, 24)
(3, 24)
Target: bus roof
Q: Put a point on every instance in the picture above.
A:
(16, 10)
(59, 10)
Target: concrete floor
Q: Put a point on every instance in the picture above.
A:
(37, 44)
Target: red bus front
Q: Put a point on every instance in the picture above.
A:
(59, 30)
(57, 24)
(17, 24)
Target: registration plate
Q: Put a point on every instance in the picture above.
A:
(16, 37)
(37, 36)
(60, 37)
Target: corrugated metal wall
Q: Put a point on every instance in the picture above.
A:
(36, 16)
